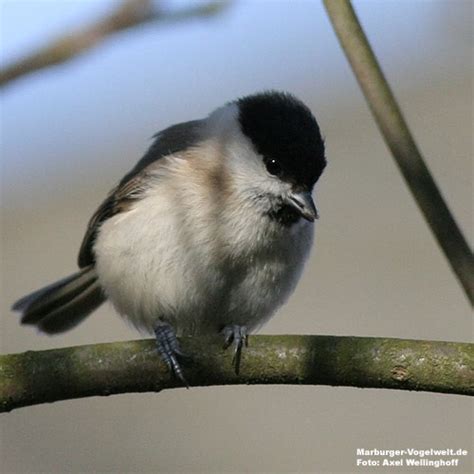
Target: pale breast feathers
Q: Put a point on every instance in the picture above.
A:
(169, 141)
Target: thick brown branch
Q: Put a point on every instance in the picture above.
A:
(104, 369)
(400, 141)
(128, 14)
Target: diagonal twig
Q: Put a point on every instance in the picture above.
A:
(127, 14)
(401, 143)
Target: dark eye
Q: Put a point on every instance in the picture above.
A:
(273, 167)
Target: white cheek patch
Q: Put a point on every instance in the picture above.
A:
(246, 166)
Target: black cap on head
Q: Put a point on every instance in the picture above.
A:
(284, 131)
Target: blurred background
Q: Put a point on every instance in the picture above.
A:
(69, 133)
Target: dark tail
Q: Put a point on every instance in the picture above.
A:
(64, 304)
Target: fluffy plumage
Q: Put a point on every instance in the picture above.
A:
(199, 235)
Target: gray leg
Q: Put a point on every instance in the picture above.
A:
(237, 335)
(169, 350)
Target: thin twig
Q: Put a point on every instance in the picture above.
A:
(128, 14)
(105, 369)
(401, 143)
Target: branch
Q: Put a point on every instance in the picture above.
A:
(104, 369)
(401, 143)
(128, 14)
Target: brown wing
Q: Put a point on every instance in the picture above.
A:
(171, 140)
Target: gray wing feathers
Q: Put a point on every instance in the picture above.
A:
(169, 141)
(63, 304)
(172, 140)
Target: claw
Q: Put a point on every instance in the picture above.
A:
(238, 336)
(169, 350)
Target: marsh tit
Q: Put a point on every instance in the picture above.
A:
(208, 233)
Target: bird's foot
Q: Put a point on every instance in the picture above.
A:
(238, 336)
(170, 351)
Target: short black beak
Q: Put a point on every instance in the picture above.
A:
(304, 204)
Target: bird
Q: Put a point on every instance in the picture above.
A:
(207, 234)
